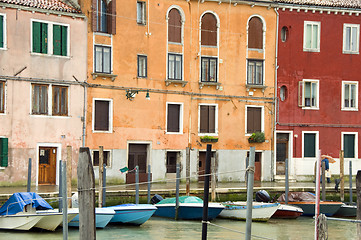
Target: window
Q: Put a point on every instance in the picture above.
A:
(102, 115)
(142, 66)
(349, 95)
(40, 99)
(351, 33)
(309, 145)
(349, 145)
(209, 30)
(2, 31)
(254, 119)
(102, 59)
(4, 149)
(255, 72)
(255, 33)
(283, 93)
(141, 13)
(2, 96)
(60, 100)
(308, 93)
(172, 162)
(174, 118)
(311, 36)
(208, 119)
(106, 157)
(284, 34)
(104, 16)
(175, 66)
(209, 69)
(42, 43)
(174, 26)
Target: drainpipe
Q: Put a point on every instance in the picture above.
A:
(85, 86)
(275, 97)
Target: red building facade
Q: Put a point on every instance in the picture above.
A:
(317, 86)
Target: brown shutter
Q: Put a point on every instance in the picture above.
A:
(212, 119)
(253, 119)
(255, 33)
(173, 118)
(300, 94)
(203, 126)
(112, 17)
(101, 115)
(174, 26)
(94, 15)
(209, 30)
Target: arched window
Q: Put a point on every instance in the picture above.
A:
(284, 34)
(174, 26)
(209, 30)
(255, 33)
(283, 93)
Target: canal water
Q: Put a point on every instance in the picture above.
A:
(165, 229)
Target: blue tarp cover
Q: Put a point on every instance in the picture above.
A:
(17, 202)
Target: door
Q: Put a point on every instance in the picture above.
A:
(202, 166)
(257, 165)
(137, 156)
(47, 165)
(281, 153)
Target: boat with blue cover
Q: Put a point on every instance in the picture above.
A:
(132, 214)
(190, 208)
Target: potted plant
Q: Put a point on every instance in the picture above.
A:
(207, 139)
(257, 137)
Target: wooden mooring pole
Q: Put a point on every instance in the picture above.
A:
(65, 202)
(358, 191)
(29, 176)
(213, 181)
(149, 180)
(350, 182)
(342, 180)
(101, 161)
(86, 192)
(250, 180)
(188, 171)
(323, 165)
(206, 192)
(137, 184)
(68, 172)
(177, 191)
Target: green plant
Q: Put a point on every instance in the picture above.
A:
(257, 137)
(209, 139)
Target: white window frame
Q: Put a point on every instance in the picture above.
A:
(141, 16)
(352, 26)
(110, 130)
(262, 118)
(4, 32)
(111, 58)
(356, 143)
(180, 118)
(145, 58)
(109, 165)
(317, 49)
(50, 38)
(303, 144)
(317, 107)
(215, 120)
(181, 66)
(343, 108)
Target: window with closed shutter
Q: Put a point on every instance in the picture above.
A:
(2, 32)
(4, 152)
(254, 119)
(207, 119)
(255, 33)
(349, 145)
(309, 145)
(174, 26)
(40, 37)
(101, 115)
(173, 118)
(60, 40)
(209, 30)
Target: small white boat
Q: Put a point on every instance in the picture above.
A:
(238, 210)
(53, 218)
(102, 218)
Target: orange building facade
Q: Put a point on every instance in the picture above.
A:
(166, 76)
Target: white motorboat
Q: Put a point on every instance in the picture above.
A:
(53, 218)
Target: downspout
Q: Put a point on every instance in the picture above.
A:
(275, 98)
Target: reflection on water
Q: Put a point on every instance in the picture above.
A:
(159, 229)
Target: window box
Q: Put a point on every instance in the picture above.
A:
(209, 139)
(257, 137)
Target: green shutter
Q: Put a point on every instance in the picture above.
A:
(64, 41)
(36, 37)
(44, 38)
(1, 31)
(57, 40)
(349, 145)
(3, 152)
(309, 145)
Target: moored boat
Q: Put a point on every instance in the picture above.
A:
(53, 218)
(288, 211)
(346, 210)
(238, 210)
(102, 218)
(133, 214)
(190, 208)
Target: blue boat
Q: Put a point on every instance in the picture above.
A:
(102, 218)
(190, 208)
(133, 214)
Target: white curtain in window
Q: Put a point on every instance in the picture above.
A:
(98, 59)
(178, 67)
(106, 58)
(213, 70)
(314, 36)
(354, 41)
(171, 67)
(205, 66)
(308, 35)
(259, 70)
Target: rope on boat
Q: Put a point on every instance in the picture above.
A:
(322, 227)
(232, 230)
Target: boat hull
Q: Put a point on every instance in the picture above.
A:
(326, 207)
(288, 212)
(19, 222)
(261, 212)
(346, 211)
(133, 214)
(102, 218)
(188, 211)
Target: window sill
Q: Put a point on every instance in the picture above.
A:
(349, 52)
(249, 86)
(99, 131)
(260, 50)
(350, 109)
(2, 168)
(104, 75)
(49, 55)
(176, 43)
(105, 34)
(311, 50)
(217, 84)
(208, 134)
(310, 108)
(175, 82)
(174, 133)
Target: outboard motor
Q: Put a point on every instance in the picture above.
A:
(262, 196)
(156, 199)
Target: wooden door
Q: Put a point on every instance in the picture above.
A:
(281, 153)
(202, 166)
(137, 156)
(47, 165)
(257, 165)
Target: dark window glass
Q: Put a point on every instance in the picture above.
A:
(309, 143)
(142, 66)
(40, 99)
(60, 100)
(106, 158)
(349, 145)
(171, 162)
(255, 72)
(175, 66)
(209, 69)
(102, 59)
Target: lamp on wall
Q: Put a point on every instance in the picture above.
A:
(147, 95)
(130, 94)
